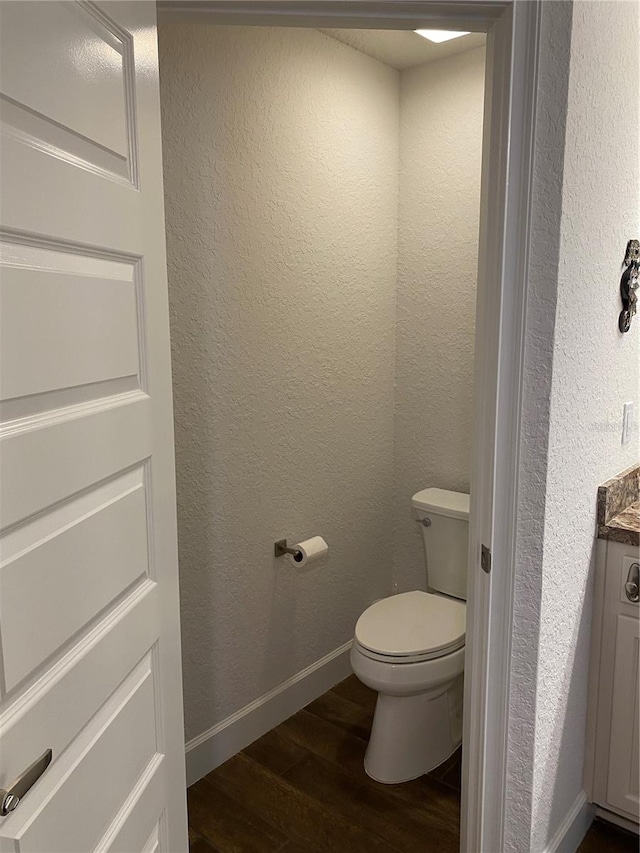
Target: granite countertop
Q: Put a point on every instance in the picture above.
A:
(619, 508)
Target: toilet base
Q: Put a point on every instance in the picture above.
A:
(412, 735)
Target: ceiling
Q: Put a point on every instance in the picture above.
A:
(403, 48)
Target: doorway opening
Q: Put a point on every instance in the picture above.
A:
(322, 205)
(512, 47)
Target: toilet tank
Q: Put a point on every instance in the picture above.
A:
(444, 520)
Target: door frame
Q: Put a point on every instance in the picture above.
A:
(513, 46)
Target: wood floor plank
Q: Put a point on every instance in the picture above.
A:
(199, 845)
(450, 771)
(344, 713)
(296, 815)
(604, 837)
(453, 777)
(230, 826)
(406, 827)
(355, 691)
(325, 740)
(275, 752)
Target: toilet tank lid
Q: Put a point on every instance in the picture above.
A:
(442, 502)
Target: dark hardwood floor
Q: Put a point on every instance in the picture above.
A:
(302, 789)
(604, 837)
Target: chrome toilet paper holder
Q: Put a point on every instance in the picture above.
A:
(280, 548)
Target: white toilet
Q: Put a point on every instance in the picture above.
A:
(410, 648)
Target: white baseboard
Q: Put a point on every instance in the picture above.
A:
(213, 747)
(573, 828)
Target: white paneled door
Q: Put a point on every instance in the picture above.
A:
(90, 656)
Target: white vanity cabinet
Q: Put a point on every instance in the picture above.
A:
(613, 744)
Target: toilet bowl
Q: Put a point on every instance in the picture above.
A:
(410, 649)
(418, 718)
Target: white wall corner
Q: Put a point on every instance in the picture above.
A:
(573, 828)
(213, 747)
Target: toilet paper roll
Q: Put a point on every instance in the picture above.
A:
(310, 550)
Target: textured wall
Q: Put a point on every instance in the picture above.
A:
(595, 370)
(440, 165)
(537, 374)
(578, 373)
(281, 151)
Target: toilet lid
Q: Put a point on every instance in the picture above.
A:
(412, 623)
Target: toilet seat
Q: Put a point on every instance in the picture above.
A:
(411, 627)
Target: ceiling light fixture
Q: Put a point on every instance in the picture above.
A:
(439, 35)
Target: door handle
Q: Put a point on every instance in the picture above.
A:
(11, 796)
(632, 586)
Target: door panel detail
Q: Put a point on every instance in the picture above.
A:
(76, 50)
(91, 303)
(44, 576)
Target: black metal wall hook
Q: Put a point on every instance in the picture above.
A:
(629, 285)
